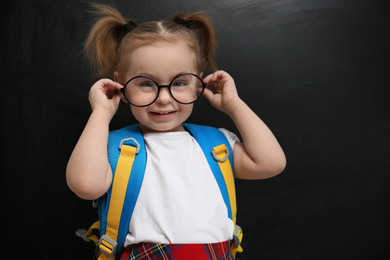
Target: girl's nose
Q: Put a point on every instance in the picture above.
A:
(164, 96)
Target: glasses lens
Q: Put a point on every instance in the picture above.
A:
(186, 88)
(141, 91)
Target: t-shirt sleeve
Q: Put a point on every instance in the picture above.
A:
(232, 137)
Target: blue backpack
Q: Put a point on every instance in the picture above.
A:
(127, 158)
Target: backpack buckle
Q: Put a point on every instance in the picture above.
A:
(107, 246)
(130, 139)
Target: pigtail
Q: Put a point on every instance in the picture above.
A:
(204, 29)
(104, 39)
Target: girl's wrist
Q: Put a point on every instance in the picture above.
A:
(235, 108)
(102, 114)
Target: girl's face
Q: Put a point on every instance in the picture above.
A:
(162, 62)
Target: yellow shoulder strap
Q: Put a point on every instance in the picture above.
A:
(108, 242)
(221, 155)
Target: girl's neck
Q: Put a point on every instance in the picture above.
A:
(145, 129)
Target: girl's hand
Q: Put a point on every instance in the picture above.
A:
(104, 95)
(221, 91)
(259, 156)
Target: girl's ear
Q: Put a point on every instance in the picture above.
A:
(116, 76)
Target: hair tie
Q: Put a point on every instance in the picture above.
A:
(128, 27)
(183, 22)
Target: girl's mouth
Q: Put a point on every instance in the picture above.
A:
(163, 114)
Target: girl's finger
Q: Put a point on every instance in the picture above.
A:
(208, 94)
(109, 87)
(117, 97)
(207, 79)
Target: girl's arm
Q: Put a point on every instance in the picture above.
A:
(260, 155)
(88, 173)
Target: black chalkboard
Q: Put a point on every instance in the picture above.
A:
(317, 72)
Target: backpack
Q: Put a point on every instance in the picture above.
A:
(127, 158)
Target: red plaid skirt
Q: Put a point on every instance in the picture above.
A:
(149, 251)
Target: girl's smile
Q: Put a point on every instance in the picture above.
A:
(163, 115)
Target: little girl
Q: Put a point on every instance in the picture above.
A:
(151, 65)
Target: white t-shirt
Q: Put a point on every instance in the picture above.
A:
(179, 201)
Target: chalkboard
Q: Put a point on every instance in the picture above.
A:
(317, 73)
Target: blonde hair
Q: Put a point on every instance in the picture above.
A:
(107, 39)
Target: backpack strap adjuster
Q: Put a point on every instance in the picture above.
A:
(237, 236)
(130, 139)
(107, 246)
(220, 150)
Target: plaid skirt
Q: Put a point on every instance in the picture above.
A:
(150, 251)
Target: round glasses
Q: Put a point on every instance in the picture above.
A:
(142, 91)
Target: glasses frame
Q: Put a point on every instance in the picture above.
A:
(159, 87)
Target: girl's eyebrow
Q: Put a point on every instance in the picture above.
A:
(148, 74)
(156, 78)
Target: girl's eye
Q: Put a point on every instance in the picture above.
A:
(147, 84)
(178, 84)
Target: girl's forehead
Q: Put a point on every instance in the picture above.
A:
(163, 58)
